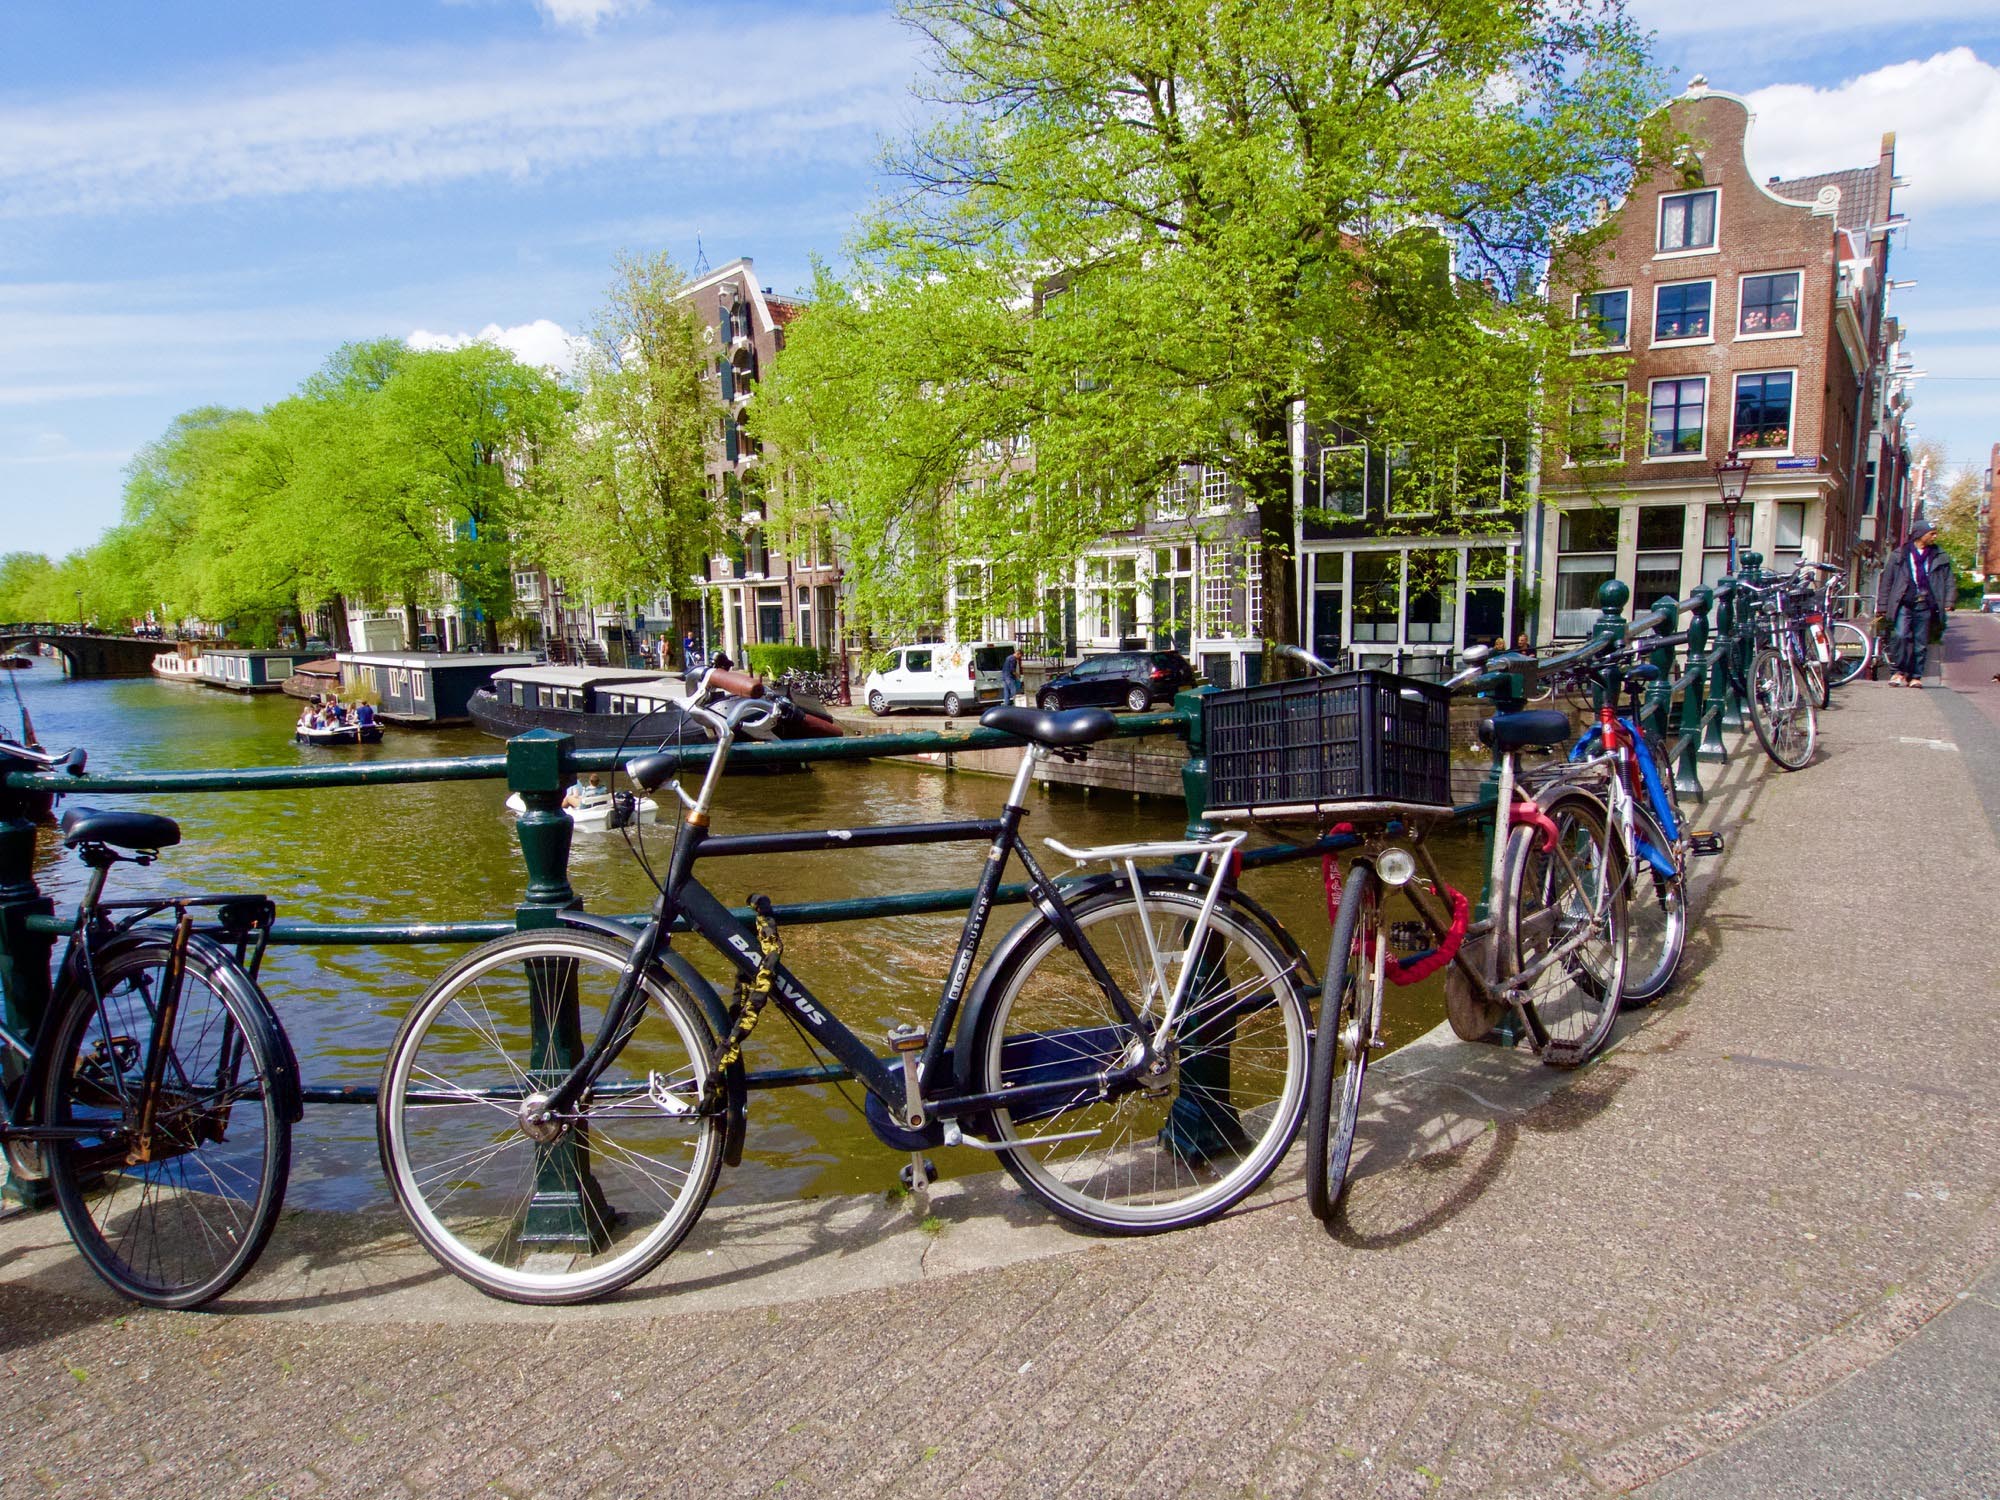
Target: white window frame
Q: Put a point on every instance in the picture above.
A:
(1367, 479)
(1660, 223)
(1707, 390)
(1506, 493)
(1576, 315)
(1798, 332)
(416, 687)
(1389, 486)
(1791, 424)
(1680, 343)
(1570, 461)
(1214, 489)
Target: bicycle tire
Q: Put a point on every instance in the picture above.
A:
(1571, 897)
(182, 1224)
(1655, 919)
(608, 1195)
(1347, 1007)
(1853, 650)
(1780, 710)
(1179, 1152)
(1818, 689)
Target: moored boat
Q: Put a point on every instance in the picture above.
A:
(602, 708)
(338, 734)
(596, 809)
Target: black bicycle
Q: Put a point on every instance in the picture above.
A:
(555, 1109)
(158, 1092)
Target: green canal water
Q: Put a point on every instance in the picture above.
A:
(446, 852)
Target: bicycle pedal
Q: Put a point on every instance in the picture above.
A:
(1701, 841)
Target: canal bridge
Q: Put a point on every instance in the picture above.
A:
(88, 653)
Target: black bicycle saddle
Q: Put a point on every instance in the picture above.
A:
(121, 830)
(1056, 728)
(1532, 729)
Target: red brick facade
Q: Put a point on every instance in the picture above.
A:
(1751, 313)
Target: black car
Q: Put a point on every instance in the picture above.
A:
(1127, 679)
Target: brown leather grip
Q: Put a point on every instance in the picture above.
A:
(737, 684)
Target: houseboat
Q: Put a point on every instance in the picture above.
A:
(420, 687)
(182, 664)
(602, 707)
(242, 670)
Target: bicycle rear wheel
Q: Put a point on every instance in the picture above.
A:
(1655, 918)
(1175, 1149)
(172, 1217)
(1853, 648)
(1781, 711)
(560, 1210)
(1348, 1007)
(1562, 929)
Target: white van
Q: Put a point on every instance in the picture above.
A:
(934, 675)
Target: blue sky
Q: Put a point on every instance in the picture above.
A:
(199, 201)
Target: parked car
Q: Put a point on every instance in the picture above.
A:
(934, 675)
(1120, 679)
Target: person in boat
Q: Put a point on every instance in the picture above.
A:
(364, 715)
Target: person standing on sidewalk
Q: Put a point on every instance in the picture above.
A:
(1917, 589)
(1010, 675)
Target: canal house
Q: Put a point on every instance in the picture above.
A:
(420, 688)
(245, 671)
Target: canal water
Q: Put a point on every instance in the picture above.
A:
(446, 852)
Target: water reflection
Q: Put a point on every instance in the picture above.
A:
(446, 851)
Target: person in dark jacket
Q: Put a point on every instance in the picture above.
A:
(1917, 590)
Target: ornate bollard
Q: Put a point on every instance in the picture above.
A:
(1694, 704)
(567, 1208)
(1194, 770)
(1191, 1123)
(1612, 597)
(1721, 686)
(1660, 696)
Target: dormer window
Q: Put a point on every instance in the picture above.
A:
(1687, 222)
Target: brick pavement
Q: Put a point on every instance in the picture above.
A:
(1775, 1179)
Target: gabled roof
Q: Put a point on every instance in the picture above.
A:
(1858, 189)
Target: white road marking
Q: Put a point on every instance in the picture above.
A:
(1910, 739)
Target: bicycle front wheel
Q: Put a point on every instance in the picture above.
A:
(171, 1216)
(1853, 648)
(1349, 1007)
(1781, 711)
(533, 1209)
(1562, 928)
(1655, 918)
(1193, 1137)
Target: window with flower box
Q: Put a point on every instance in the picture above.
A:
(1763, 412)
(1768, 305)
(1684, 311)
(1604, 321)
(1674, 422)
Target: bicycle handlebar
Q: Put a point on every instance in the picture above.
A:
(71, 760)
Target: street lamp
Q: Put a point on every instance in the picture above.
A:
(1732, 478)
(79, 609)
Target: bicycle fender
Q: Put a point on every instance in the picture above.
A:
(1006, 953)
(277, 1043)
(735, 1091)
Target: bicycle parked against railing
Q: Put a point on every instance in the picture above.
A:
(1780, 686)
(1556, 954)
(554, 1111)
(158, 1091)
(1843, 649)
(1645, 816)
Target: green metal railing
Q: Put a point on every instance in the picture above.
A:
(540, 766)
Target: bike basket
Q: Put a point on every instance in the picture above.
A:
(1304, 747)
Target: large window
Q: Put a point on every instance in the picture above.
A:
(1763, 411)
(1433, 595)
(1683, 311)
(1675, 422)
(1768, 304)
(1658, 569)
(1343, 480)
(1788, 540)
(1687, 222)
(1604, 321)
(1588, 544)
(1378, 579)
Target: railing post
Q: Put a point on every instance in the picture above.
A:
(1721, 685)
(1612, 597)
(567, 1208)
(24, 955)
(1194, 770)
(1660, 696)
(1687, 775)
(1192, 1127)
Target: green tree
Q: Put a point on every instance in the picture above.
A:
(1141, 230)
(1958, 526)
(627, 513)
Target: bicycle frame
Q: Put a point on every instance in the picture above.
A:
(685, 899)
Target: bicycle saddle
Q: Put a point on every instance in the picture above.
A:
(1070, 726)
(1643, 671)
(122, 830)
(1532, 729)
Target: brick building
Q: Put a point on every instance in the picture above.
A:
(1727, 311)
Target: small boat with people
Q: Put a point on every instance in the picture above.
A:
(328, 721)
(592, 806)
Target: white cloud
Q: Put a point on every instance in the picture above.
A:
(585, 15)
(1945, 111)
(821, 88)
(538, 343)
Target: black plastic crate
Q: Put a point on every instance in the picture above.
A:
(1352, 737)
